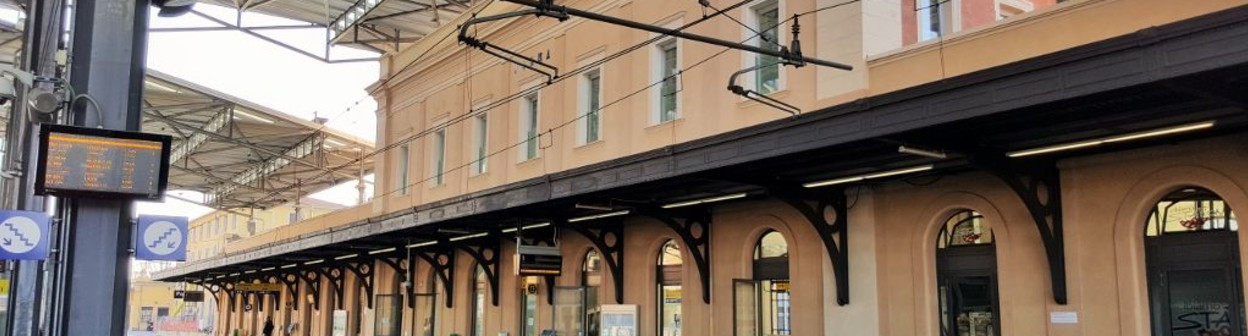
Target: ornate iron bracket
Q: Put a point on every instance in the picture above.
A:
(364, 278)
(828, 213)
(693, 227)
(230, 294)
(1039, 188)
(336, 277)
(291, 280)
(609, 239)
(442, 262)
(313, 279)
(214, 289)
(274, 298)
(485, 254)
(401, 266)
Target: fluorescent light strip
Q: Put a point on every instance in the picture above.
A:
(234, 274)
(428, 243)
(704, 200)
(290, 266)
(220, 277)
(471, 236)
(1128, 137)
(266, 269)
(609, 214)
(868, 176)
(349, 256)
(527, 227)
(314, 262)
(252, 116)
(249, 272)
(382, 251)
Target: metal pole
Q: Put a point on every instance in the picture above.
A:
(107, 63)
(674, 32)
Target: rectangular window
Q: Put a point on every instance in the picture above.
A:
(401, 184)
(934, 18)
(439, 156)
(767, 19)
(670, 64)
(480, 145)
(591, 120)
(528, 127)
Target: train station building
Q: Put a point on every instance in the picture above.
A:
(988, 167)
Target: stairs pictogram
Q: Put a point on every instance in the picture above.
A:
(162, 238)
(18, 233)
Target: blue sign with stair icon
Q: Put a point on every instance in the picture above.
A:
(161, 238)
(23, 235)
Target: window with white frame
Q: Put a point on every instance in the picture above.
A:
(480, 144)
(590, 123)
(402, 182)
(439, 156)
(935, 18)
(765, 18)
(667, 69)
(528, 127)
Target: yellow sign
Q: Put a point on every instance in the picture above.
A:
(780, 286)
(4, 286)
(258, 287)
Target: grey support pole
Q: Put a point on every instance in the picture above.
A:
(107, 62)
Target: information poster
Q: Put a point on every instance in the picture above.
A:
(340, 323)
(619, 320)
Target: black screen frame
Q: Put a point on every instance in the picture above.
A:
(41, 166)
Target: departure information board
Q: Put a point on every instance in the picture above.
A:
(89, 162)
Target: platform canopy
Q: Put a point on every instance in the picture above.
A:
(378, 25)
(240, 154)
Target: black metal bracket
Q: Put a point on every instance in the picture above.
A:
(485, 253)
(442, 262)
(313, 279)
(364, 278)
(291, 280)
(1039, 188)
(693, 227)
(759, 97)
(609, 239)
(536, 65)
(274, 297)
(230, 295)
(213, 288)
(401, 267)
(828, 213)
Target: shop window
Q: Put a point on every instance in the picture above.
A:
(1192, 256)
(479, 290)
(670, 289)
(762, 303)
(966, 277)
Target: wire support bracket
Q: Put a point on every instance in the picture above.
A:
(533, 64)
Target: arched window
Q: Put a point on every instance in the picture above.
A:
(762, 303)
(1192, 255)
(669, 287)
(479, 290)
(966, 276)
(591, 280)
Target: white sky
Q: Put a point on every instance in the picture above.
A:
(253, 69)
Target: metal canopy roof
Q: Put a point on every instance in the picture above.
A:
(241, 154)
(987, 112)
(379, 25)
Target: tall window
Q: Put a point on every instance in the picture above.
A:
(528, 127)
(480, 146)
(591, 98)
(762, 303)
(439, 155)
(934, 18)
(591, 280)
(766, 17)
(1193, 265)
(669, 289)
(402, 182)
(669, 66)
(966, 276)
(478, 301)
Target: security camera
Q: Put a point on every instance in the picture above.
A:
(8, 89)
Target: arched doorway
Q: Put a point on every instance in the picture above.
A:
(1192, 252)
(762, 303)
(669, 285)
(966, 277)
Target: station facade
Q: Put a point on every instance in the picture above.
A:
(1056, 169)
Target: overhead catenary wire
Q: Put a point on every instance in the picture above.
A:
(522, 93)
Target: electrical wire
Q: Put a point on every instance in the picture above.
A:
(522, 93)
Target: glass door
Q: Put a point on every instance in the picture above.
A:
(745, 309)
(968, 305)
(569, 311)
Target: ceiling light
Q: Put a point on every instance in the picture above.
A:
(249, 272)
(234, 274)
(609, 214)
(527, 227)
(266, 269)
(935, 154)
(428, 243)
(290, 266)
(382, 251)
(348, 256)
(1121, 138)
(867, 176)
(704, 200)
(314, 262)
(471, 236)
(593, 207)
